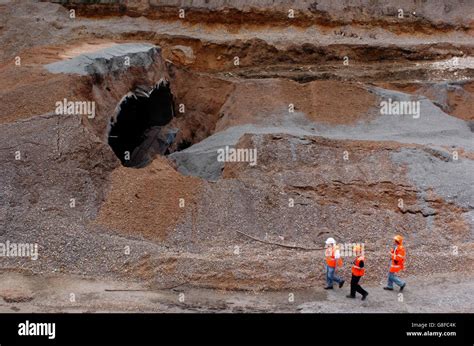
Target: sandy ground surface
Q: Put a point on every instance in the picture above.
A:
(212, 249)
(66, 293)
(137, 205)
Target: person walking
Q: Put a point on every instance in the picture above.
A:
(333, 260)
(397, 264)
(358, 271)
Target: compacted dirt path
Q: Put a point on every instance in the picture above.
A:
(67, 293)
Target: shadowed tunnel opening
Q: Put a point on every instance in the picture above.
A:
(137, 131)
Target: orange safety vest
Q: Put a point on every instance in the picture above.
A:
(398, 259)
(356, 270)
(331, 257)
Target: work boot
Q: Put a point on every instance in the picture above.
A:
(364, 296)
(341, 284)
(349, 296)
(388, 288)
(328, 288)
(402, 287)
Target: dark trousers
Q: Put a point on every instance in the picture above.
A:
(355, 287)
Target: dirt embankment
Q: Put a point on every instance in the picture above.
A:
(314, 122)
(428, 18)
(456, 99)
(148, 202)
(326, 102)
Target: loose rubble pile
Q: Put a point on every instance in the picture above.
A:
(300, 98)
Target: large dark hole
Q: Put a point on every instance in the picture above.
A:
(137, 132)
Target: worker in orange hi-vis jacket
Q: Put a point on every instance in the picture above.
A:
(358, 271)
(397, 264)
(333, 260)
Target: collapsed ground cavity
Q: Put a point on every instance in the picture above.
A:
(137, 131)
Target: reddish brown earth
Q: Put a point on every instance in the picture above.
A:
(144, 202)
(345, 166)
(459, 102)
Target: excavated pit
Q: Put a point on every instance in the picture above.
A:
(300, 154)
(136, 132)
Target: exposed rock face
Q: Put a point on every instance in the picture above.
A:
(109, 60)
(55, 167)
(437, 13)
(327, 160)
(182, 55)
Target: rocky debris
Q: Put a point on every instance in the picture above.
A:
(327, 192)
(454, 98)
(216, 48)
(182, 55)
(198, 101)
(453, 179)
(267, 101)
(112, 59)
(148, 202)
(328, 160)
(55, 169)
(427, 16)
(19, 85)
(16, 296)
(273, 116)
(368, 69)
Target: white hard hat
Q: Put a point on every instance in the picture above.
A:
(330, 241)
